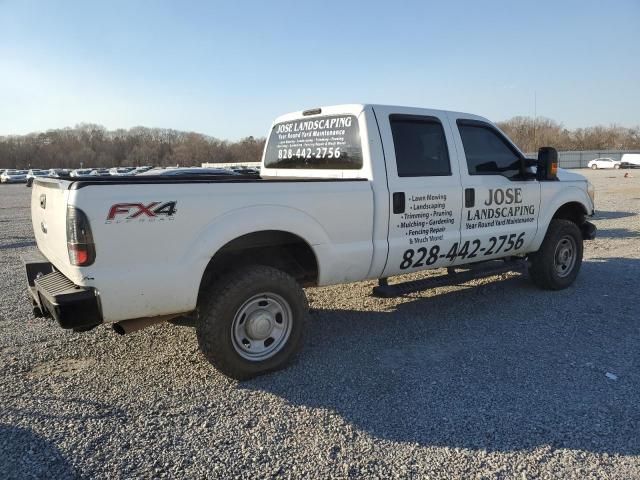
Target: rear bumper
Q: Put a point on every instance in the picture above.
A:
(54, 295)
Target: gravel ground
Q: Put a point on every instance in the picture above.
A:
(492, 379)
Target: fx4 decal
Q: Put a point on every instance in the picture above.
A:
(131, 212)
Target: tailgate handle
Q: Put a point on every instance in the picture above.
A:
(398, 202)
(43, 201)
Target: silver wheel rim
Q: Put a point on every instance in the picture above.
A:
(564, 258)
(261, 327)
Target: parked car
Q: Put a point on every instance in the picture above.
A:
(246, 171)
(120, 171)
(59, 172)
(35, 172)
(189, 171)
(14, 176)
(142, 169)
(630, 160)
(100, 172)
(346, 193)
(597, 163)
(81, 172)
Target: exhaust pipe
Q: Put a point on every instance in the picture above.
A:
(135, 324)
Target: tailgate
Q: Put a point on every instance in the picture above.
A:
(49, 218)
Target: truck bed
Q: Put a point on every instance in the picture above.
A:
(162, 256)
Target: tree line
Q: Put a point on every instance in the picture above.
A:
(90, 145)
(530, 134)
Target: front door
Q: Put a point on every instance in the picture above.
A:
(501, 201)
(424, 188)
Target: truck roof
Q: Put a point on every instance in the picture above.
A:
(356, 108)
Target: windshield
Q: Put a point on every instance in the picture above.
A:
(330, 142)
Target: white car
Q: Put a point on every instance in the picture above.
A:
(346, 193)
(597, 163)
(59, 172)
(14, 176)
(35, 172)
(81, 172)
(122, 171)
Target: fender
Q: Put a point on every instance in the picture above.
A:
(242, 221)
(548, 208)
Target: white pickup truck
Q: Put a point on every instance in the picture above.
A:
(346, 193)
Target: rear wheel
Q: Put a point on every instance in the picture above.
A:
(556, 265)
(616, 166)
(594, 167)
(252, 321)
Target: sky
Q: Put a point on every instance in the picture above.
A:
(227, 69)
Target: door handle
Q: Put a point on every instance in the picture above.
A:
(398, 202)
(469, 197)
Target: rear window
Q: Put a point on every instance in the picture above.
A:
(326, 143)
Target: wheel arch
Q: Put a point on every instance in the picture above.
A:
(571, 203)
(574, 211)
(280, 249)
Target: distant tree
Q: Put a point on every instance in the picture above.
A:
(530, 134)
(92, 145)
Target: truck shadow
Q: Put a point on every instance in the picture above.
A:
(25, 454)
(618, 233)
(611, 215)
(25, 244)
(501, 367)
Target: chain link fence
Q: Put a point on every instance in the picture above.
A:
(579, 159)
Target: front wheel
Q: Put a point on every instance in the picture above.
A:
(616, 166)
(252, 321)
(556, 265)
(594, 167)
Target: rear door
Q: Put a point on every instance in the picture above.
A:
(424, 188)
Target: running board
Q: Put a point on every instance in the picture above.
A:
(471, 272)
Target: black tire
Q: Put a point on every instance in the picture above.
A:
(547, 266)
(227, 298)
(594, 167)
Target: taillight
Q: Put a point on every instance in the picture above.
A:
(82, 251)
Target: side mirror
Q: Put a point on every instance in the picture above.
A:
(547, 166)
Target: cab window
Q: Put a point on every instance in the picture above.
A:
(487, 152)
(420, 146)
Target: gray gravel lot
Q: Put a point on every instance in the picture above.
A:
(491, 379)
